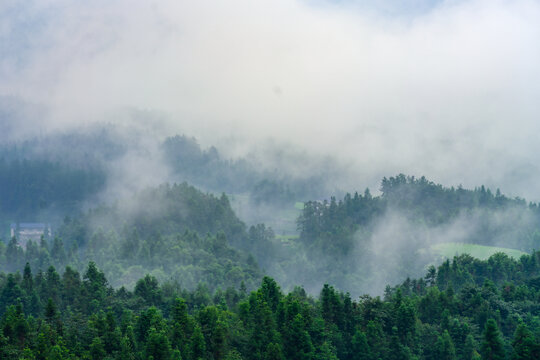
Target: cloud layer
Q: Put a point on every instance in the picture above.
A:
(446, 89)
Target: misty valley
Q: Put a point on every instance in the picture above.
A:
(269, 180)
(220, 258)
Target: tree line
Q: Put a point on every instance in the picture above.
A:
(172, 231)
(464, 309)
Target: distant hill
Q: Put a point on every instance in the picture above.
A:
(173, 232)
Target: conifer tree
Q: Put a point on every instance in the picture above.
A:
(524, 344)
(492, 345)
(360, 347)
(469, 349)
(198, 345)
(28, 281)
(445, 347)
(158, 346)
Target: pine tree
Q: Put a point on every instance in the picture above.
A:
(158, 346)
(58, 351)
(326, 352)
(469, 349)
(50, 311)
(299, 342)
(492, 345)
(360, 347)
(14, 254)
(445, 347)
(28, 281)
(273, 352)
(182, 326)
(406, 320)
(97, 351)
(524, 344)
(198, 345)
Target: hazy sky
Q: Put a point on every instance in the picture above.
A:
(446, 89)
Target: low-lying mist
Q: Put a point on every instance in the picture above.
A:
(394, 242)
(276, 107)
(363, 243)
(398, 247)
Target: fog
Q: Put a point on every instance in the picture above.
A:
(333, 92)
(446, 89)
(399, 247)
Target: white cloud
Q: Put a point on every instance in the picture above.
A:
(450, 92)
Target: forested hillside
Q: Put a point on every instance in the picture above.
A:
(362, 239)
(87, 184)
(176, 231)
(207, 261)
(193, 180)
(43, 178)
(173, 231)
(44, 190)
(464, 309)
(208, 169)
(421, 201)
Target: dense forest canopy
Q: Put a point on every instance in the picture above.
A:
(171, 271)
(351, 237)
(181, 180)
(464, 309)
(173, 231)
(418, 199)
(45, 190)
(337, 241)
(43, 178)
(207, 169)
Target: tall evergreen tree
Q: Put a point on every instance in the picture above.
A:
(492, 344)
(445, 347)
(524, 345)
(360, 349)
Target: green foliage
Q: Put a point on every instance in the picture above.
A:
(88, 319)
(158, 346)
(208, 169)
(31, 188)
(524, 344)
(339, 233)
(177, 247)
(445, 347)
(492, 344)
(359, 347)
(176, 232)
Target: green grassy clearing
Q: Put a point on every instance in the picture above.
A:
(287, 238)
(450, 249)
(281, 219)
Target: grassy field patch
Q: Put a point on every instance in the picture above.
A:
(299, 205)
(287, 238)
(450, 249)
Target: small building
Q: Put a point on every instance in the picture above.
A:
(29, 231)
